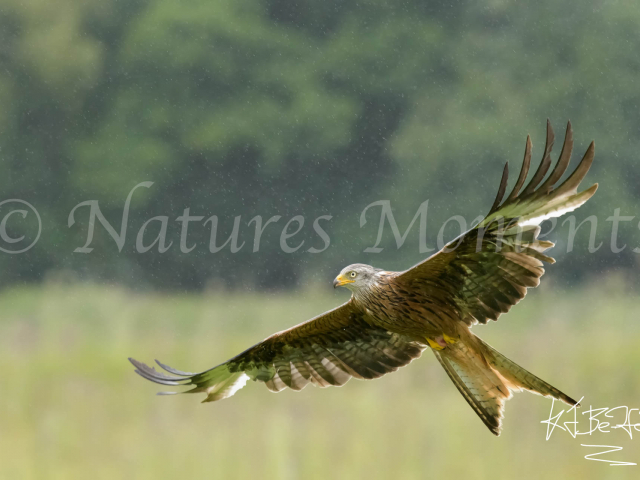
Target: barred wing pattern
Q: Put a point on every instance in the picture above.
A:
(487, 270)
(326, 350)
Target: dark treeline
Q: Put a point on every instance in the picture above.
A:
(244, 108)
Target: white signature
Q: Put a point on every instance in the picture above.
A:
(602, 420)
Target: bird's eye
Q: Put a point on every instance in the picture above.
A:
(353, 274)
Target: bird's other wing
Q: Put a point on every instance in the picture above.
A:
(326, 350)
(487, 270)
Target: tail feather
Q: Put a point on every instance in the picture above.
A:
(483, 390)
(518, 378)
(486, 379)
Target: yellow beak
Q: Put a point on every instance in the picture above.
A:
(340, 281)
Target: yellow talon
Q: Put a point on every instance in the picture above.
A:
(440, 343)
(448, 339)
(434, 345)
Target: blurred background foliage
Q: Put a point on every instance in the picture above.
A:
(245, 108)
(72, 407)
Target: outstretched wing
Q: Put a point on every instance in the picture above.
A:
(326, 350)
(487, 270)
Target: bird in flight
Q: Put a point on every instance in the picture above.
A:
(392, 317)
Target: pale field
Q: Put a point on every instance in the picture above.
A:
(71, 406)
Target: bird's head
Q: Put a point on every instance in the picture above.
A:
(356, 277)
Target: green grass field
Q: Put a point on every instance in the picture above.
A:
(71, 406)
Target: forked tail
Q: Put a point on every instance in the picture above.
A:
(486, 379)
(520, 379)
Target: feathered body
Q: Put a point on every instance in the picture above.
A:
(392, 317)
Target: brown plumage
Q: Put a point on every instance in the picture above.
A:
(393, 316)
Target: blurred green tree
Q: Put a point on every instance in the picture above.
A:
(244, 108)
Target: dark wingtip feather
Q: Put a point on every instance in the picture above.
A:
(175, 371)
(535, 189)
(572, 183)
(146, 376)
(526, 162)
(501, 189)
(592, 189)
(563, 161)
(545, 163)
(153, 375)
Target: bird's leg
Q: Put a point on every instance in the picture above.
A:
(437, 343)
(441, 342)
(448, 339)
